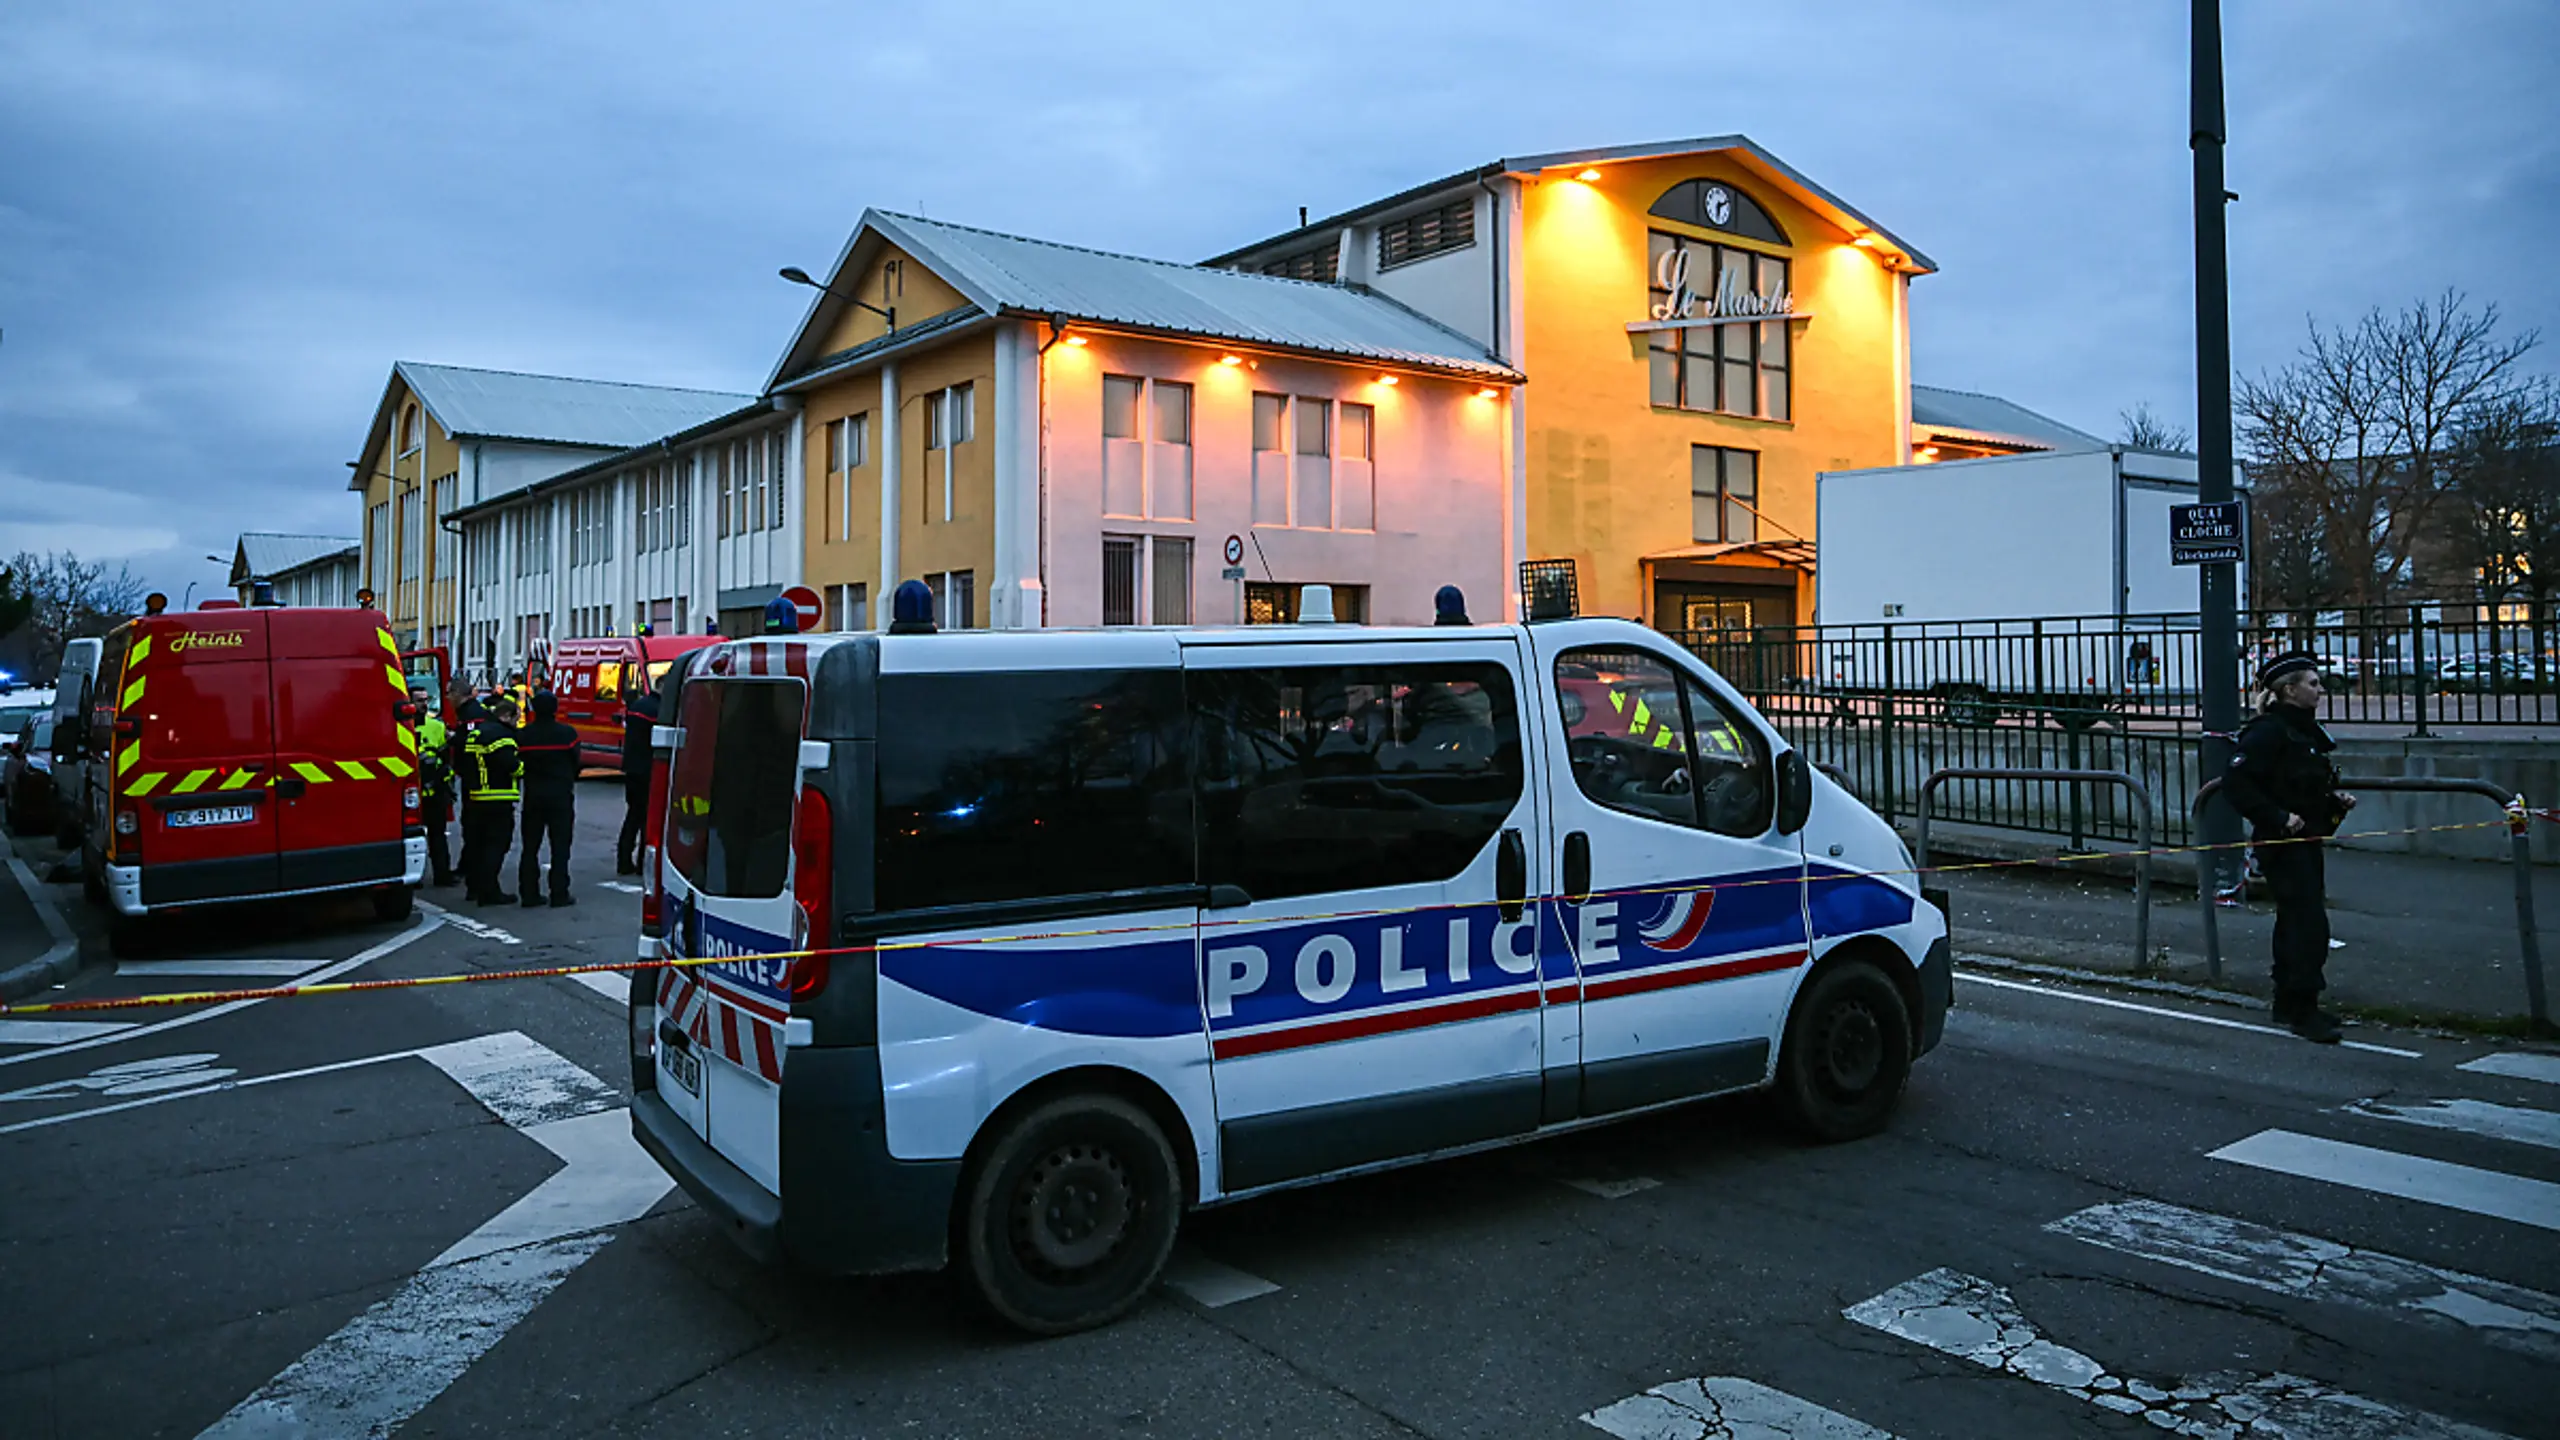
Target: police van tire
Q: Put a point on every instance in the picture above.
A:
(1847, 1054)
(1069, 1215)
(128, 936)
(394, 902)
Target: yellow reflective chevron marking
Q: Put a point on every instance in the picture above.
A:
(141, 651)
(397, 766)
(1618, 700)
(132, 693)
(194, 779)
(144, 783)
(1644, 715)
(355, 769)
(312, 773)
(387, 643)
(397, 683)
(1662, 738)
(130, 754)
(238, 778)
(408, 739)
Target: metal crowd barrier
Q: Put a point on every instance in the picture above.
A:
(2519, 852)
(2142, 813)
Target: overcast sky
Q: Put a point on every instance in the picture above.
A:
(221, 224)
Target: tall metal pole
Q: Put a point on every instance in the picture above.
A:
(2220, 679)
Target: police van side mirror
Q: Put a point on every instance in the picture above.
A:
(1795, 792)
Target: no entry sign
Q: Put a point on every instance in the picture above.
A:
(809, 609)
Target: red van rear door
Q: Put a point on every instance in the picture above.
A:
(343, 756)
(196, 776)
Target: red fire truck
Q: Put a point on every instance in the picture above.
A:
(592, 677)
(249, 754)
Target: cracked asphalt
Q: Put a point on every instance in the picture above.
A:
(160, 1263)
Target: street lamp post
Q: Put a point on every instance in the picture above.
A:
(798, 276)
(2217, 599)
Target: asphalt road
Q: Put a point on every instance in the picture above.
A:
(203, 1229)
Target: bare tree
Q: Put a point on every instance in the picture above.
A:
(2353, 437)
(73, 599)
(2144, 430)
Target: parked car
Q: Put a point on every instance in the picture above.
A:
(19, 706)
(26, 775)
(2507, 674)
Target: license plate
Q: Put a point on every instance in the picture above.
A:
(682, 1065)
(212, 815)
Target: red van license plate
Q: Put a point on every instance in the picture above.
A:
(212, 815)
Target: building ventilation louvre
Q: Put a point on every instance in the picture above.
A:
(1320, 263)
(1450, 227)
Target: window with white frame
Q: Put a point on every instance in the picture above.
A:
(1730, 369)
(776, 455)
(955, 598)
(1311, 463)
(1120, 579)
(533, 541)
(1270, 459)
(1146, 448)
(848, 607)
(848, 450)
(1355, 468)
(950, 421)
(377, 557)
(716, 470)
(406, 516)
(1169, 590)
(1146, 580)
(1314, 463)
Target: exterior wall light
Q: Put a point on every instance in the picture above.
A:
(1865, 242)
(1386, 379)
(1076, 340)
(1488, 393)
(1587, 176)
(1231, 360)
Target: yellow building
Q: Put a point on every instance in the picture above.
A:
(1704, 330)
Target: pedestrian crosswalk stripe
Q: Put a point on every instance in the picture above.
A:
(2510, 1316)
(2410, 1177)
(1723, 1407)
(215, 965)
(55, 1032)
(1974, 1320)
(2518, 1065)
(2519, 1123)
(1211, 1284)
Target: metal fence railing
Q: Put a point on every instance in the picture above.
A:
(1891, 703)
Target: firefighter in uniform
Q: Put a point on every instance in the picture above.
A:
(2281, 778)
(435, 787)
(549, 750)
(488, 778)
(639, 716)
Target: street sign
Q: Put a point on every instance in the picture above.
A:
(2210, 534)
(1232, 572)
(1235, 551)
(811, 610)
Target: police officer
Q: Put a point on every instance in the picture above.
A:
(488, 778)
(549, 749)
(435, 786)
(2282, 780)
(639, 717)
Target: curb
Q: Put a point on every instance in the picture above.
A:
(55, 965)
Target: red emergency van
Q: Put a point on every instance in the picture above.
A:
(591, 677)
(249, 754)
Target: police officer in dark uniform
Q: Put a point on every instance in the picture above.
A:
(549, 751)
(2282, 780)
(487, 775)
(639, 717)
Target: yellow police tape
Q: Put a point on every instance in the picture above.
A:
(349, 987)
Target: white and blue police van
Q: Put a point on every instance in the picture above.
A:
(1103, 925)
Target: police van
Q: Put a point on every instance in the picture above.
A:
(1026, 942)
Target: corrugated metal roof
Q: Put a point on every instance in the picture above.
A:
(1991, 415)
(265, 555)
(556, 410)
(1008, 272)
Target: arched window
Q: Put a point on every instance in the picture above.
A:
(409, 429)
(1718, 205)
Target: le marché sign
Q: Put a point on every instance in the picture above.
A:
(2216, 533)
(1732, 300)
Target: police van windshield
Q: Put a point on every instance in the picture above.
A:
(731, 789)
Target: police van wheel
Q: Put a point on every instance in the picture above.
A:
(128, 936)
(393, 902)
(1847, 1055)
(1071, 1214)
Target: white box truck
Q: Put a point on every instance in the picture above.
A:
(2018, 583)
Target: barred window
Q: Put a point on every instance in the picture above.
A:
(1415, 237)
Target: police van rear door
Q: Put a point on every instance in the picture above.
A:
(344, 756)
(195, 773)
(731, 797)
(1368, 965)
(1680, 906)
